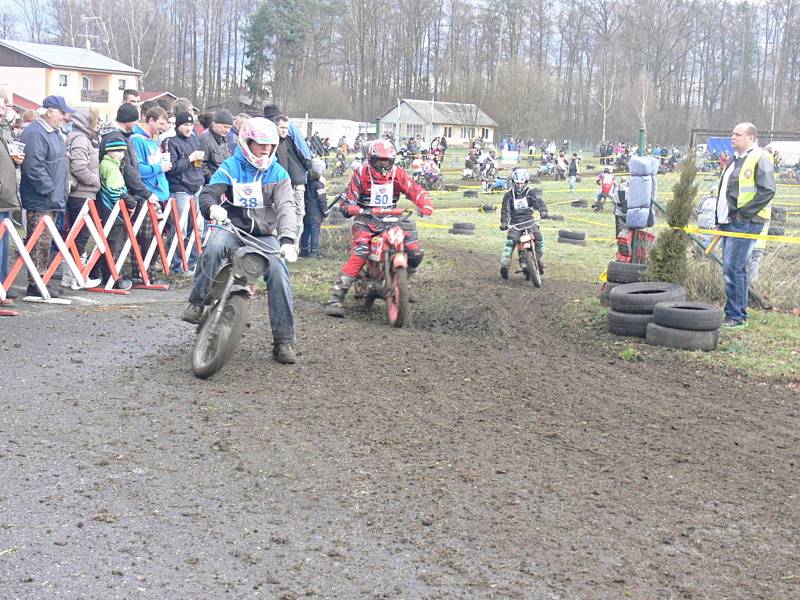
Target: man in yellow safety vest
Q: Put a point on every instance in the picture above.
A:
(746, 189)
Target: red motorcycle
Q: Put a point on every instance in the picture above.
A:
(384, 274)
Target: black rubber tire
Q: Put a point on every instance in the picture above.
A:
(776, 230)
(571, 235)
(579, 203)
(683, 339)
(624, 272)
(641, 298)
(627, 324)
(693, 316)
(470, 193)
(552, 217)
(461, 231)
(235, 319)
(487, 208)
(605, 289)
(470, 226)
(571, 241)
(532, 266)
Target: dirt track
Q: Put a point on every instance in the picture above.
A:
(489, 451)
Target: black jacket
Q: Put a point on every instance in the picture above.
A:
(183, 176)
(294, 163)
(130, 165)
(216, 149)
(509, 214)
(316, 199)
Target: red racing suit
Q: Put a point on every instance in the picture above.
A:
(358, 195)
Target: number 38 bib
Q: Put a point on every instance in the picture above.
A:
(248, 195)
(381, 194)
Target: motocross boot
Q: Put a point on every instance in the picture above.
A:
(192, 313)
(505, 259)
(335, 306)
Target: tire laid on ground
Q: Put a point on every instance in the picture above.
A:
(571, 241)
(627, 324)
(555, 217)
(471, 194)
(470, 226)
(487, 208)
(641, 298)
(624, 272)
(776, 230)
(462, 231)
(580, 203)
(693, 316)
(571, 235)
(683, 339)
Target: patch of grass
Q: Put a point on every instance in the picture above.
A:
(630, 354)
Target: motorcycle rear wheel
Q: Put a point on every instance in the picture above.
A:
(532, 266)
(398, 308)
(213, 349)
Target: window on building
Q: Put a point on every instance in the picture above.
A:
(123, 84)
(63, 80)
(448, 131)
(86, 83)
(414, 129)
(484, 133)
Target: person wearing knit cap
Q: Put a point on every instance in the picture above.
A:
(185, 178)
(138, 193)
(214, 143)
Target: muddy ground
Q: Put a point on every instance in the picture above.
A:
(491, 450)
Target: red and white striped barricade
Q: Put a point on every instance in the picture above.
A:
(179, 239)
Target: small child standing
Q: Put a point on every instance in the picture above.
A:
(518, 205)
(112, 190)
(316, 200)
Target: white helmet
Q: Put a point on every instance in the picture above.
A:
(519, 177)
(262, 131)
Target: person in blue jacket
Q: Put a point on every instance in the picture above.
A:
(153, 164)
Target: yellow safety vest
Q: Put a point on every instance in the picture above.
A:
(747, 183)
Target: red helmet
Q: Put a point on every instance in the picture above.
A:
(382, 155)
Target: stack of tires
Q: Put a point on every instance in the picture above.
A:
(685, 325)
(619, 273)
(463, 229)
(632, 305)
(777, 224)
(567, 236)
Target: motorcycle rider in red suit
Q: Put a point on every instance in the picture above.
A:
(377, 184)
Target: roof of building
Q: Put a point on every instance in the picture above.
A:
(448, 113)
(23, 102)
(68, 57)
(145, 96)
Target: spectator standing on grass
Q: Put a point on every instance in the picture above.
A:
(744, 198)
(316, 200)
(9, 201)
(573, 171)
(44, 179)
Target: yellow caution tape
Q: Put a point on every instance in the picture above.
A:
(750, 236)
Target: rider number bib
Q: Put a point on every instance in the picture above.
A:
(248, 195)
(381, 195)
(521, 203)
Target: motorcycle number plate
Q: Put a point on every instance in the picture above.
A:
(381, 195)
(248, 195)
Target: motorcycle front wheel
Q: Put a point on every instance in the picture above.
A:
(217, 338)
(532, 266)
(397, 306)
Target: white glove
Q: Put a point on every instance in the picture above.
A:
(217, 213)
(289, 252)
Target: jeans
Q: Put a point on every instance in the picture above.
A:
(182, 199)
(5, 244)
(572, 180)
(74, 206)
(309, 239)
(220, 245)
(735, 254)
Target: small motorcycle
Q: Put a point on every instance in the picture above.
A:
(226, 306)
(384, 275)
(526, 251)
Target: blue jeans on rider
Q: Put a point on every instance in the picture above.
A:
(309, 239)
(735, 254)
(221, 244)
(182, 199)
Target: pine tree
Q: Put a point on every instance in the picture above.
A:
(668, 257)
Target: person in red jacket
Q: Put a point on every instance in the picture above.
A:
(376, 184)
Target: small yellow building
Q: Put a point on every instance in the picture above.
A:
(83, 77)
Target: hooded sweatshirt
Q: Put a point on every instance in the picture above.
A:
(148, 152)
(83, 156)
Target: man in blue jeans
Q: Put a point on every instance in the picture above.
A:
(744, 198)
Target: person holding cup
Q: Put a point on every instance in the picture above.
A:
(185, 178)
